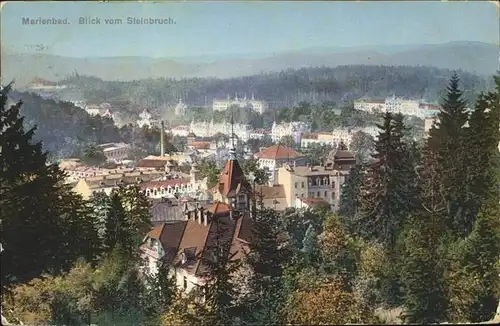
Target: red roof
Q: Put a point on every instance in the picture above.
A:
(232, 179)
(276, 152)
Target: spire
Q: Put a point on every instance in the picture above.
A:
(232, 151)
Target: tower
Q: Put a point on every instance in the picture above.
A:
(162, 135)
(232, 151)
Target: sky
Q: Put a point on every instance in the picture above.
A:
(216, 28)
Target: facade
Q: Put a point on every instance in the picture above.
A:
(181, 131)
(394, 104)
(276, 156)
(294, 129)
(322, 182)
(308, 202)
(145, 119)
(174, 185)
(180, 108)
(256, 105)
(115, 152)
(209, 129)
(185, 245)
(106, 183)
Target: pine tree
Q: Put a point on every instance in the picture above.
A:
(386, 195)
(38, 211)
(264, 302)
(349, 196)
(448, 138)
(310, 248)
(422, 272)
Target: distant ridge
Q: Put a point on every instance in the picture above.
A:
(475, 57)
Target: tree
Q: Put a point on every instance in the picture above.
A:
(385, 198)
(209, 170)
(326, 304)
(219, 292)
(362, 144)
(448, 139)
(93, 155)
(350, 194)
(41, 216)
(265, 259)
(317, 153)
(287, 141)
(252, 166)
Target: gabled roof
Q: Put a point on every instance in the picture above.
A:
(196, 238)
(232, 180)
(278, 152)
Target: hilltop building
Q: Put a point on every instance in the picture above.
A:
(394, 104)
(145, 119)
(256, 105)
(180, 108)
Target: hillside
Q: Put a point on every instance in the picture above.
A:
(281, 89)
(475, 57)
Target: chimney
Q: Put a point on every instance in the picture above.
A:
(162, 135)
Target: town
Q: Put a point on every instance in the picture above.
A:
(301, 195)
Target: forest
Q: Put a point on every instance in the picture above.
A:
(416, 240)
(281, 89)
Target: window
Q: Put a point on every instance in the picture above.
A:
(296, 184)
(185, 283)
(326, 193)
(333, 195)
(302, 184)
(319, 195)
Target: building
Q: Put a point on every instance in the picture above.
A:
(181, 131)
(180, 108)
(294, 129)
(209, 129)
(394, 104)
(272, 196)
(324, 181)
(115, 152)
(106, 183)
(428, 123)
(145, 119)
(256, 105)
(172, 186)
(165, 210)
(186, 245)
(41, 84)
(276, 156)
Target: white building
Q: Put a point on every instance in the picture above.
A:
(396, 105)
(180, 130)
(294, 129)
(115, 152)
(256, 105)
(180, 108)
(104, 110)
(145, 119)
(209, 129)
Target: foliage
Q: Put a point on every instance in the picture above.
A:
(326, 304)
(317, 153)
(32, 193)
(93, 155)
(263, 303)
(288, 141)
(387, 193)
(362, 145)
(448, 138)
(208, 169)
(252, 167)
